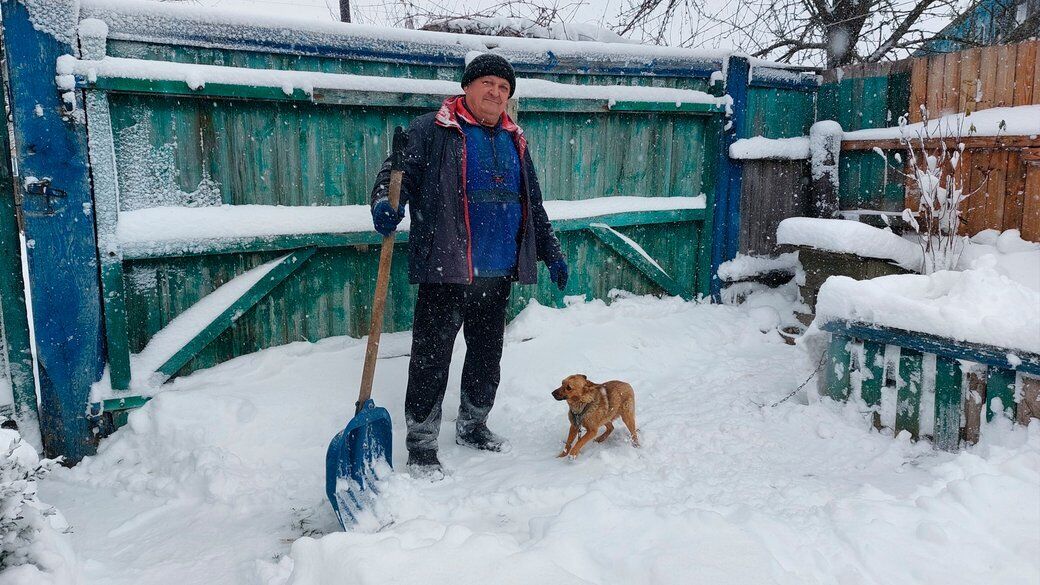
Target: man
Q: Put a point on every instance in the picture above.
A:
(477, 225)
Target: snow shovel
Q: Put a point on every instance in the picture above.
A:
(364, 448)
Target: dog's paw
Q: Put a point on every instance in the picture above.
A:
(562, 454)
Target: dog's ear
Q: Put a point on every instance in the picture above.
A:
(576, 381)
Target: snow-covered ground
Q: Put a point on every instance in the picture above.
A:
(220, 479)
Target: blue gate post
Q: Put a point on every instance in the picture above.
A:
(726, 223)
(51, 143)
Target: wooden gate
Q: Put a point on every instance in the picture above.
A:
(216, 173)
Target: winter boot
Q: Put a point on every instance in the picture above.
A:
(425, 465)
(480, 437)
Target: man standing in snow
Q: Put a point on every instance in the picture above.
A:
(477, 225)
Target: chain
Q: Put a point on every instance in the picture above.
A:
(800, 386)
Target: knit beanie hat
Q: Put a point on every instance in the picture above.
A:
(490, 64)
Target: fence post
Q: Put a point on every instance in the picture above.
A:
(726, 222)
(824, 150)
(50, 139)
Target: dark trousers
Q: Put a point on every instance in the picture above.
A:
(440, 310)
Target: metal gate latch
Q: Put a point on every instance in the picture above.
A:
(42, 188)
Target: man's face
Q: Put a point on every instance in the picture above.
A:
(487, 97)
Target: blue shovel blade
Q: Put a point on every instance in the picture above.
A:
(352, 459)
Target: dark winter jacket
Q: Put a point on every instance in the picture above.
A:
(433, 186)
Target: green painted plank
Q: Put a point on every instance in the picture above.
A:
(836, 368)
(632, 254)
(875, 102)
(1000, 384)
(210, 90)
(874, 364)
(898, 101)
(827, 102)
(96, 409)
(345, 97)
(668, 107)
(327, 240)
(908, 393)
(118, 344)
(948, 400)
(14, 321)
(225, 319)
(103, 166)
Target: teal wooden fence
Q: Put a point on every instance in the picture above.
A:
(933, 387)
(861, 97)
(175, 118)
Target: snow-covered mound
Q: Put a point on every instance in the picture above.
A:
(33, 548)
(220, 478)
(994, 299)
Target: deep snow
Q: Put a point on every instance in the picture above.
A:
(219, 479)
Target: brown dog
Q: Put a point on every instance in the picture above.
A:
(593, 406)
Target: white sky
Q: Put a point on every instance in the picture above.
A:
(388, 13)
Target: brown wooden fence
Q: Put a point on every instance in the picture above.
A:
(1003, 173)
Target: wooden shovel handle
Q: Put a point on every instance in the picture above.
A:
(386, 254)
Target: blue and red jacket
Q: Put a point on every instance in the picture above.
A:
(443, 229)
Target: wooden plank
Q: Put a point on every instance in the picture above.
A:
(97, 409)
(969, 80)
(951, 84)
(996, 189)
(176, 249)
(106, 208)
(668, 107)
(1025, 65)
(17, 358)
(634, 255)
(345, 97)
(970, 143)
(728, 173)
(918, 88)
(925, 343)
(226, 318)
(1004, 90)
(977, 192)
(898, 96)
(1036, 75)
(988, 63)
(63, 277)
(1000, 386)
(934, 99)
(1031, 202)
(908, 392)
(948, 401)
(1015, 180)
(873, 380)
(836, 367)
(974, 397)
(1028, 407)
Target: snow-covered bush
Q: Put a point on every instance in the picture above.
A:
(32, 550)
(933, 170)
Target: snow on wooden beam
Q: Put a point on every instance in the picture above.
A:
(147, 76)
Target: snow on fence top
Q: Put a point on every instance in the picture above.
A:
(979, 306)
(760, 147)
(849, 237)
(1014, 121)
(198, 76)
(158, 227)
(184, 23)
